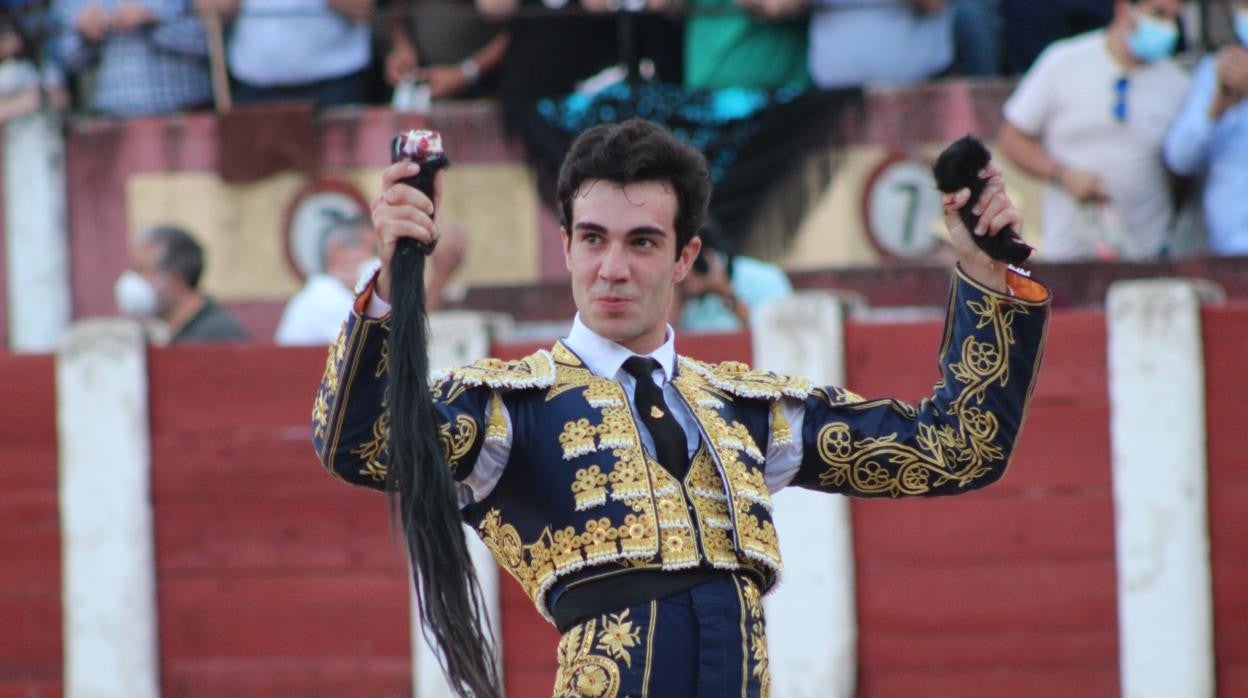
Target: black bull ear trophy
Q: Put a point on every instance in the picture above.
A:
(958, 167)
(448, 596)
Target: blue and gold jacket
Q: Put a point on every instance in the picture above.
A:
(580, 497)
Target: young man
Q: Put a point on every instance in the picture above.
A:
(627, 488)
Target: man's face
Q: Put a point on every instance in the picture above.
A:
(344, 260)
(621, 251)
(1166, 10)
(145, 259)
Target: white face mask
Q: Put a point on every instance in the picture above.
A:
(135, 295)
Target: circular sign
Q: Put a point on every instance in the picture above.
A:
(312, 212)
(901, 208)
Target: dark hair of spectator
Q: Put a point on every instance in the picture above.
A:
(180, 255)
(638, 151)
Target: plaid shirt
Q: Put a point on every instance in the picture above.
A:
(159, 69)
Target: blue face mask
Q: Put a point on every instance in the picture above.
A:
(1153, 39)
(1241, 25)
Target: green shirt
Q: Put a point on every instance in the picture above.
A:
(731, 49)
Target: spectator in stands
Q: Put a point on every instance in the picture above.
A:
(163, 283)
(22, 84)
(1090, 117)
(857, 42)
(722, 288)
(1030, 26)
(746, 43)
(977, 30)
(314, 315)
(299, 50)
(150, 55)
(1210, 138)
(445, 45)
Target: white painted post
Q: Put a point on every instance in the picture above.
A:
(458, 338)
(36, 236)
(1157, 423)
(811, 619)
(108, 583)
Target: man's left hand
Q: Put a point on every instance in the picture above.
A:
(996, 212)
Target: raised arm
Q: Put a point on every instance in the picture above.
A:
(960, 437)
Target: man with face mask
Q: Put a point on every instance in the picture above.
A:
(1090, 117)
(163, 283)
(1210, 138)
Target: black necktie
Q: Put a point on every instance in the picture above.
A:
(669, 439)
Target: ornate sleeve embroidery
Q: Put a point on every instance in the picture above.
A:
(958, 439)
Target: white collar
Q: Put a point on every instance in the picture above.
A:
(605, 357)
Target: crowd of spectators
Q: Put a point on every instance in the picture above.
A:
(1104, 113)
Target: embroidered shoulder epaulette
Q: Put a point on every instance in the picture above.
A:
(739, 379)
(537, 370)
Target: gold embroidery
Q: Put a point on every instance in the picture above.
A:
(536, 370)
(496, 423)
(373, 451)
(618, 636)
(757, 635)
(781, 431)
(656, 412)
(577, 438)
(737, 379)
(582, 673)
(945, 453)
(457, 441)
(537, 565)
(329, 384)
(589, 488)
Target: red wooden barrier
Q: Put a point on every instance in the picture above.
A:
(30, 544)
(275, 579)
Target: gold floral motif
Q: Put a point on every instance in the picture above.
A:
(582, 673)
(577, 438)
(589, 488)
(959, 450)
(619, 635)
(457, 441)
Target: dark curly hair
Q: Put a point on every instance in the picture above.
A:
(638, 151)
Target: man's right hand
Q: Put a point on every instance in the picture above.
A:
(1083, 186)
(93, 23)
(399, 212)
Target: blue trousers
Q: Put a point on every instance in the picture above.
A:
(710, 641)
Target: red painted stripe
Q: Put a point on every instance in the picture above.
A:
(1091, 680)
(280, 616)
